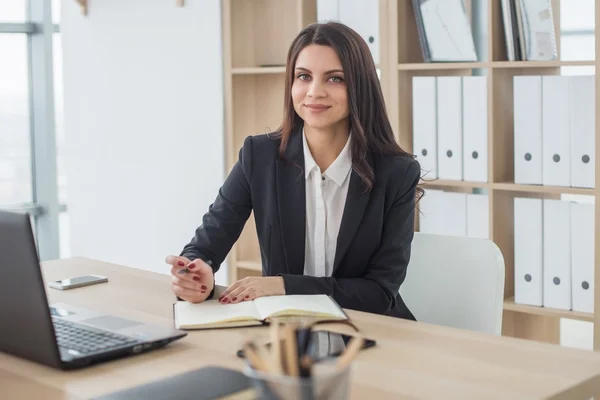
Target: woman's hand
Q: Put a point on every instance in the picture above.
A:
(191, 281)
(252, 287)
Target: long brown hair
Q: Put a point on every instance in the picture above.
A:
(369, 122)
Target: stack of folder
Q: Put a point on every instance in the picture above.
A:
(455, 214)
(450, 134)
(554, 131)
(554, 254)
(529, 30)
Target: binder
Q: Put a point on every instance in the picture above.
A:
(528, 244)
(454, 207)
(475, 135)
(431, 212)
(449, 123)
(443, 213)
(478, 215)
(363, 17)
(582, 119)
(556, 138)
(557, 254)
(582, 256)
(527, 92)
(425, 124)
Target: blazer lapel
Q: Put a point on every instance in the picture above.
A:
(291, 200)
(356, 203)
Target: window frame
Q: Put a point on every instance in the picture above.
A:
(44, 208)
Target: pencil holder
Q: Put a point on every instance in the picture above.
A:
(326, 383)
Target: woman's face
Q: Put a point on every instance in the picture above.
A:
(319, 90)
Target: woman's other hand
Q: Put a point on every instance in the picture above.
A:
(191, 281)
(251, 288)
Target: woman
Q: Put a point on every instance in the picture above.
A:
(333, 194)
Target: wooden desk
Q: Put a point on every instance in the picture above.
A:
(412, 360)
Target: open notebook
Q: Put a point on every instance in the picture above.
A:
(212, 314)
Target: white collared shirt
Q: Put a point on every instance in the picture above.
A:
(326, 194)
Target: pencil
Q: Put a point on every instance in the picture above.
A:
(276, 360)
(291, 352)
(350, 353)
(252, 356)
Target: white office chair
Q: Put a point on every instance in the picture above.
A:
(455, 281)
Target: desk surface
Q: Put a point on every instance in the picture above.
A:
(412, 360)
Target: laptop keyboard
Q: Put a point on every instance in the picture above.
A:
(86, 340)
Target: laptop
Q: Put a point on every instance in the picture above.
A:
(59, 335)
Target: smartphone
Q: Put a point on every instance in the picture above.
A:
(78, 281)
(326, 344)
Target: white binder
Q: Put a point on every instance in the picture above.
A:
(455, 214)
(557, 254)
(449, 123)
(478, 215)
(582, 120)
(443, 213)
(475, 129)
(363, 17)
(527, 93)
(556, 141)
(529, 273)
(582, 256)
(424, 124)
(431, 212)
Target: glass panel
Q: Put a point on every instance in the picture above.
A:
(15, 143)
(12, 10)
(59, 117)
(577, 47)
(63, 230)
(56, 8)
(576, 15)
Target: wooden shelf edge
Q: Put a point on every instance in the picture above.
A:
(441, 66)
(493, 64)
(508, 187)
(257, 70)
(516, 187)
(542, 64)
(455, 184)
(251, 265)
(510, 305)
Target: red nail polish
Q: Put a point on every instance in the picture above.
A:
(225, 300)
(203, 287)
(197, 278)
(203, 291)
(181, 263)
(234, 299)
(191, 266)
(247, 297)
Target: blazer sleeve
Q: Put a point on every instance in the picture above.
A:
(223, 223)
(375, 292)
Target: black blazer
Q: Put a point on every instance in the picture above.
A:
(374, 241)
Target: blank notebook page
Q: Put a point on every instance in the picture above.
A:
(319, 305)
(212, 311)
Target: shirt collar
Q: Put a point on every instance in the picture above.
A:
(338, 170)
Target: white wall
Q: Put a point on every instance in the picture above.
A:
(144, 126)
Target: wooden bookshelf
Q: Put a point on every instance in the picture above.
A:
(256, 36)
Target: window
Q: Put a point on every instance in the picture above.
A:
(29, 141)
(15, 159)
(577, 35)
(13, 10)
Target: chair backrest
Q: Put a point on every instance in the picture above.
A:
(455, 281)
